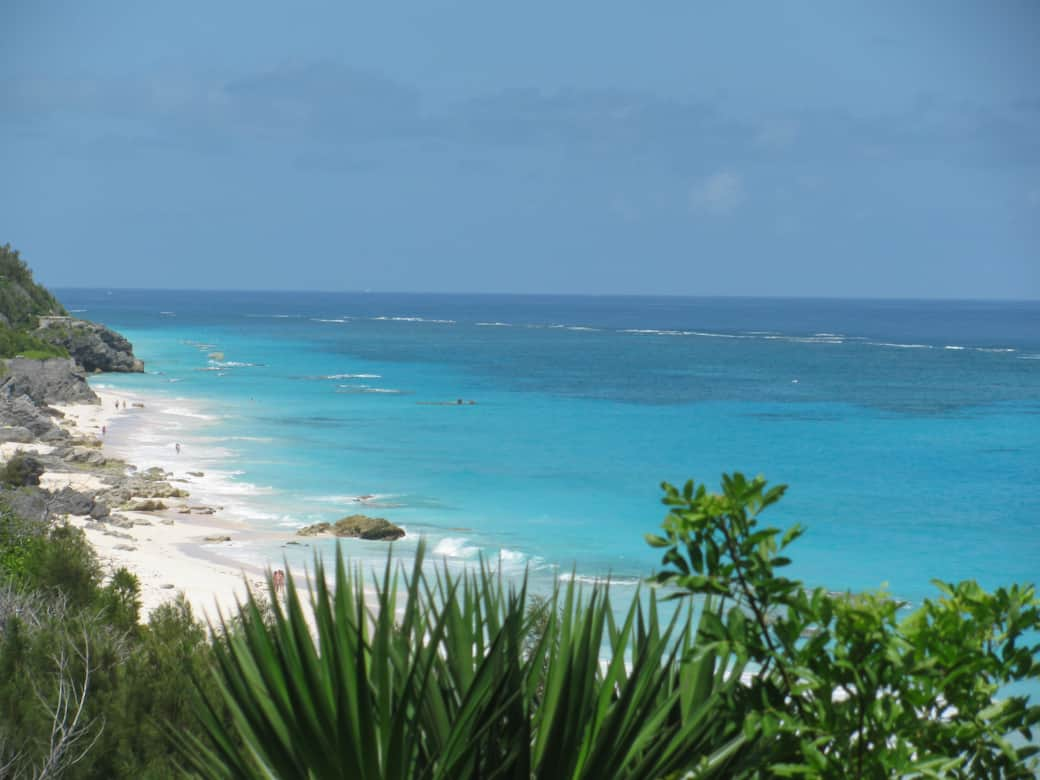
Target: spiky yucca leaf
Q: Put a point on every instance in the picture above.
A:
(438, 676)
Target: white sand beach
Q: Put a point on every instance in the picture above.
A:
(170, 551)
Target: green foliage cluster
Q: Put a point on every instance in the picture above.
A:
(62, 625)
(19, 343)
(847, 685)
(22, 300)
(757, 677)
(21, 470)
(432, 674)
(462, 680)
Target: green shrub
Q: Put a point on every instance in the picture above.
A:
(121, 598)
(18, 343)
(21, 470)
(845, 686)
(22, 300)
(441, 686)
(19, 540)
(65, 563)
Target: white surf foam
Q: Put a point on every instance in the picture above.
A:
(180, 411)
(899, 346)
(587, 579)
(414, 319)
(455, 547)
(652, 332)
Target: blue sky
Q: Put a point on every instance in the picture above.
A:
(878, 149)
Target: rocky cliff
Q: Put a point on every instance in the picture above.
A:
(91, 345)
(51, 381)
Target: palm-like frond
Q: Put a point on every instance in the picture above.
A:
(438, 676)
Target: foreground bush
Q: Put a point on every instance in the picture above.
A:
(445, 676)
(853, 686)
(762, 677)
(85, 690)
(454, 677)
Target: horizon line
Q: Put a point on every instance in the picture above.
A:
(905, 298)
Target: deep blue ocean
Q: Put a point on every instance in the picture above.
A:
(908, 431)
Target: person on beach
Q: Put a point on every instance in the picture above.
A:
(104, 429)
(177, 447)
(278, 581)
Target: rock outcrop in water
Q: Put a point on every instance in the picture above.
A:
(357, 527)
(91, 345)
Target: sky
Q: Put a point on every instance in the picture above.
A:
(845, 149)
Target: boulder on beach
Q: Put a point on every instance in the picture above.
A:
(27, 503)
(16, 433)
(358, 527)
(86, 455)
(19, 411)
(68, 501)
(148, 505)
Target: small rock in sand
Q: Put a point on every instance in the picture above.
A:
(167, 521)
(196, 473)
(126, 547)
(216, 539)
(149, 505)
(167, 586)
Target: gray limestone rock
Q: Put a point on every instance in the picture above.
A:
(19, 411)
(27, 502)
(358, 526)
(86, 455)
(91, 345)
(50, 381)
(70, 502)
(16, 433)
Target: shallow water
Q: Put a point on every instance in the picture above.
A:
(908, 431)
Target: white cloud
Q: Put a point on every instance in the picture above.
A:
(718, 194)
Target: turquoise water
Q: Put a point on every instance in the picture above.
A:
(909, 432)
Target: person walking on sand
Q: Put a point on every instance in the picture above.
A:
(177, 447)
(104, 429)
(278, 581)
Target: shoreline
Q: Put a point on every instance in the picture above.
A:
(173, 550)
